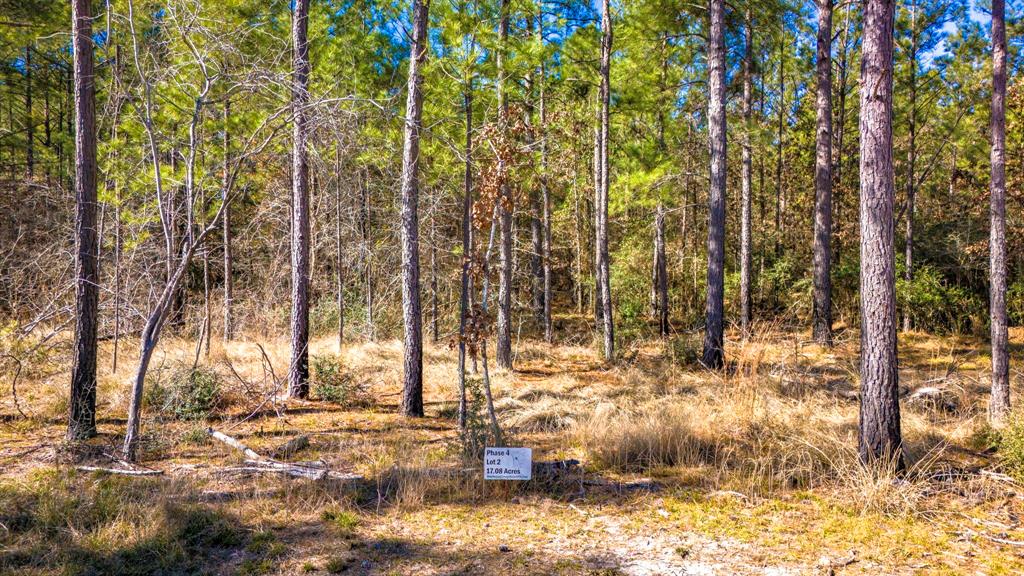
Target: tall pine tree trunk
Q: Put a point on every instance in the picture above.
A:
(298, 370)
(780, 156)
(839, 131)
(879, 433)
(908, 262)
(412, 313)
(229, 329)
(746, 177)
(339, 258)
(503, 350)
(660, 272)
(545, 195)
(596, 293)
(999, 406)
(82, 405)
(822, 313)
(465, 296)
(604, 272)
(30, 126)
(713, 356)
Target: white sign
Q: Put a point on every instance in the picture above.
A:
(508, 463)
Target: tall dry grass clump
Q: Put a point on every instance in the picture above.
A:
(642, 437)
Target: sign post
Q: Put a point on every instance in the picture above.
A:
(508, 463)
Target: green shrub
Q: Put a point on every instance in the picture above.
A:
(331, 383)
(323, 317)
(1015, 302)
(343, 521)
(190, 394)
(936, 305)
(1011, 446)
(685, 349)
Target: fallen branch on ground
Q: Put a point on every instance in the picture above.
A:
(257, 463)
(989, 537)
(120, 471)
(997, 476)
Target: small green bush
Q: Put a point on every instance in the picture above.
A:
(935, 304)
(190, 394)
(331, 383)
(343, 521)
(1011, 446)
(685, 349)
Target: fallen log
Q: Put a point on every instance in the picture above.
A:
(257, 463)
(291, 447)
(120, 471)
(220, 436)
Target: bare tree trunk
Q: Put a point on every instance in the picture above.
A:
(30, 125)
(746, 176)
(465, 297)
(999, 406)
(879, 431)
(908, 271)
(412, 392)
(229, 329)
(545, 196)
(339, 259)
(578, 238)
(660, 271)
(368, 257)
(503, 351)
(150, 338)
(118, 238)
(537, 196)
(822, 313)
(82, 405)
(596, 293)
(486, 275)
(435, 333)
(298, 370)
(604, 272)
(206, 334)
(839, 132)
(713, 356)
(780, 158)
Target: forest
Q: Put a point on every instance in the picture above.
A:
(288, 286)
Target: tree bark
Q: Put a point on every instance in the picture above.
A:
(150, 338)
(596, 293)
(999, 406)
(412, 313)
(118, 236)
(713, 356)
(465, 297)
(30, 126)
(435, 330)
(822, 313)
(503, 350)
(298, 370)
(367, 249)
(879, 431)
(660, 272)
(604, 272)
(229, 329)
(537, 200)
(82, 405)
(780, 156)
(746, 176)
(839, 131)
(339, 258)
(908, 263)
(545, 196)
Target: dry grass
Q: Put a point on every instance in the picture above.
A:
(779, 426)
